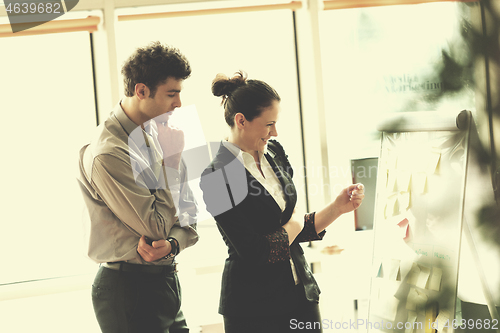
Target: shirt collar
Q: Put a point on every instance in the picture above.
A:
(128, 125)
(134, 132)
(236, 151)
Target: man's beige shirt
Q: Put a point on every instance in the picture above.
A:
(126, 199)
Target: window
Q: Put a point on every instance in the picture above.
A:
(390, 59)
(48, 113)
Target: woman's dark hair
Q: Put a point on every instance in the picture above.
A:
(240, 95)
(153, 65)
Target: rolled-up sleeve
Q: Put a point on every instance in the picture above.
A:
(184, 230)
(309, 233)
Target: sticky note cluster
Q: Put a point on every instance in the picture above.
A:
(406, 172)
(421, 277)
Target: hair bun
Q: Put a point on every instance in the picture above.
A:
(223, 86)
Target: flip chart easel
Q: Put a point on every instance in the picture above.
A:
(419, 214)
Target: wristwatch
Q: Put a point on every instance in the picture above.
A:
(174, 248)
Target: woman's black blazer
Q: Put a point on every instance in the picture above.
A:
(257, 278)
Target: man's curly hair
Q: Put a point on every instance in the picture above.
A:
(153, 65)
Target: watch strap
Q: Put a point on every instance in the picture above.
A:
(174, 247)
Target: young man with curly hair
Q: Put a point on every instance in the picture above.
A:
(142, 211)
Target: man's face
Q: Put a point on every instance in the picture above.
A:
(166, 99)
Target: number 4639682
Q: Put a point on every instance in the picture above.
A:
(34, 8)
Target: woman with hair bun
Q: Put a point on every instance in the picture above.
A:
(267, 285)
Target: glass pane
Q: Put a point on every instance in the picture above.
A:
(48, 113)
(391, 59)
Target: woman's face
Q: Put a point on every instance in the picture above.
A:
(256, 132)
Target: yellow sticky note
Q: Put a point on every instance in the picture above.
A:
(413, 274)
(412, 318)
(442, 321)
(430, 317)
(411, 300)
(416, 299)
(391, 205)
(391, 180)
(393, 270)
(433, 160)
(403, 180)
(422, 300)
(435, 280)
(423, 277)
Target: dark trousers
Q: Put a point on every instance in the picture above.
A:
(138, 302)
(306, 317)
